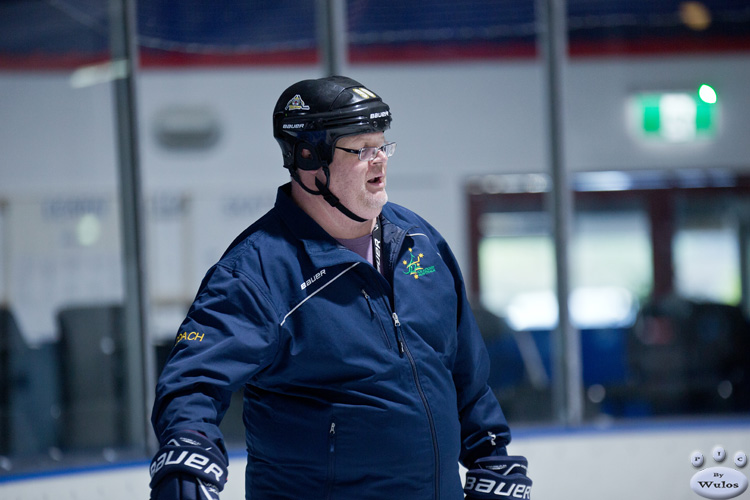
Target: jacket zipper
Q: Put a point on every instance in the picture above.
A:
(403, 349)
(331, 459)
(399, 336)
(380, 321)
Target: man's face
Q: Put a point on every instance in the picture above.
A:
(360, 185)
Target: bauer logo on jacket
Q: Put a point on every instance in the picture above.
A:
(415, 266)
(312, 280)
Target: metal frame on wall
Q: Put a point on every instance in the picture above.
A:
(139, 366)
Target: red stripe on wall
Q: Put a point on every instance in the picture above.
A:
(442, 53)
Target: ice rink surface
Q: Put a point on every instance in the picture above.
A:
(614, 462)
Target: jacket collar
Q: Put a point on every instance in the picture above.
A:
(302, 226)
(322, 248)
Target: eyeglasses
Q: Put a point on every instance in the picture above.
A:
(369, 154)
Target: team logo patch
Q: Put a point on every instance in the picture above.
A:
(414, 266)
(296, 103)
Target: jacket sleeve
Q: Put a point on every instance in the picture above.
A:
(484, 429)
(230, 333)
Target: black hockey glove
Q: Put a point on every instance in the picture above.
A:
(494, 478)
(189, 467)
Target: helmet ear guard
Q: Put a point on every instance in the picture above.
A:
(302, 162)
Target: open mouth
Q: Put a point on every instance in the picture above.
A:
(376, 180)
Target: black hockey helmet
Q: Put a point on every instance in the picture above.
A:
(313, 115)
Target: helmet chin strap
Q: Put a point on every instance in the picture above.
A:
(325, 192)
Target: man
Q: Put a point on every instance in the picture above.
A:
(346, 320)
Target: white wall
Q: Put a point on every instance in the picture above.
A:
(451, 121)
(54, 138)
(597, 92)
(454, 121)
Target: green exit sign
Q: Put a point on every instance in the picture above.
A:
(677, 116)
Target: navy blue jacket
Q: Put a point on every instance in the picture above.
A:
(357, 384)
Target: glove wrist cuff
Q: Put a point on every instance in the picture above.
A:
(500, 477)
(193, 454)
